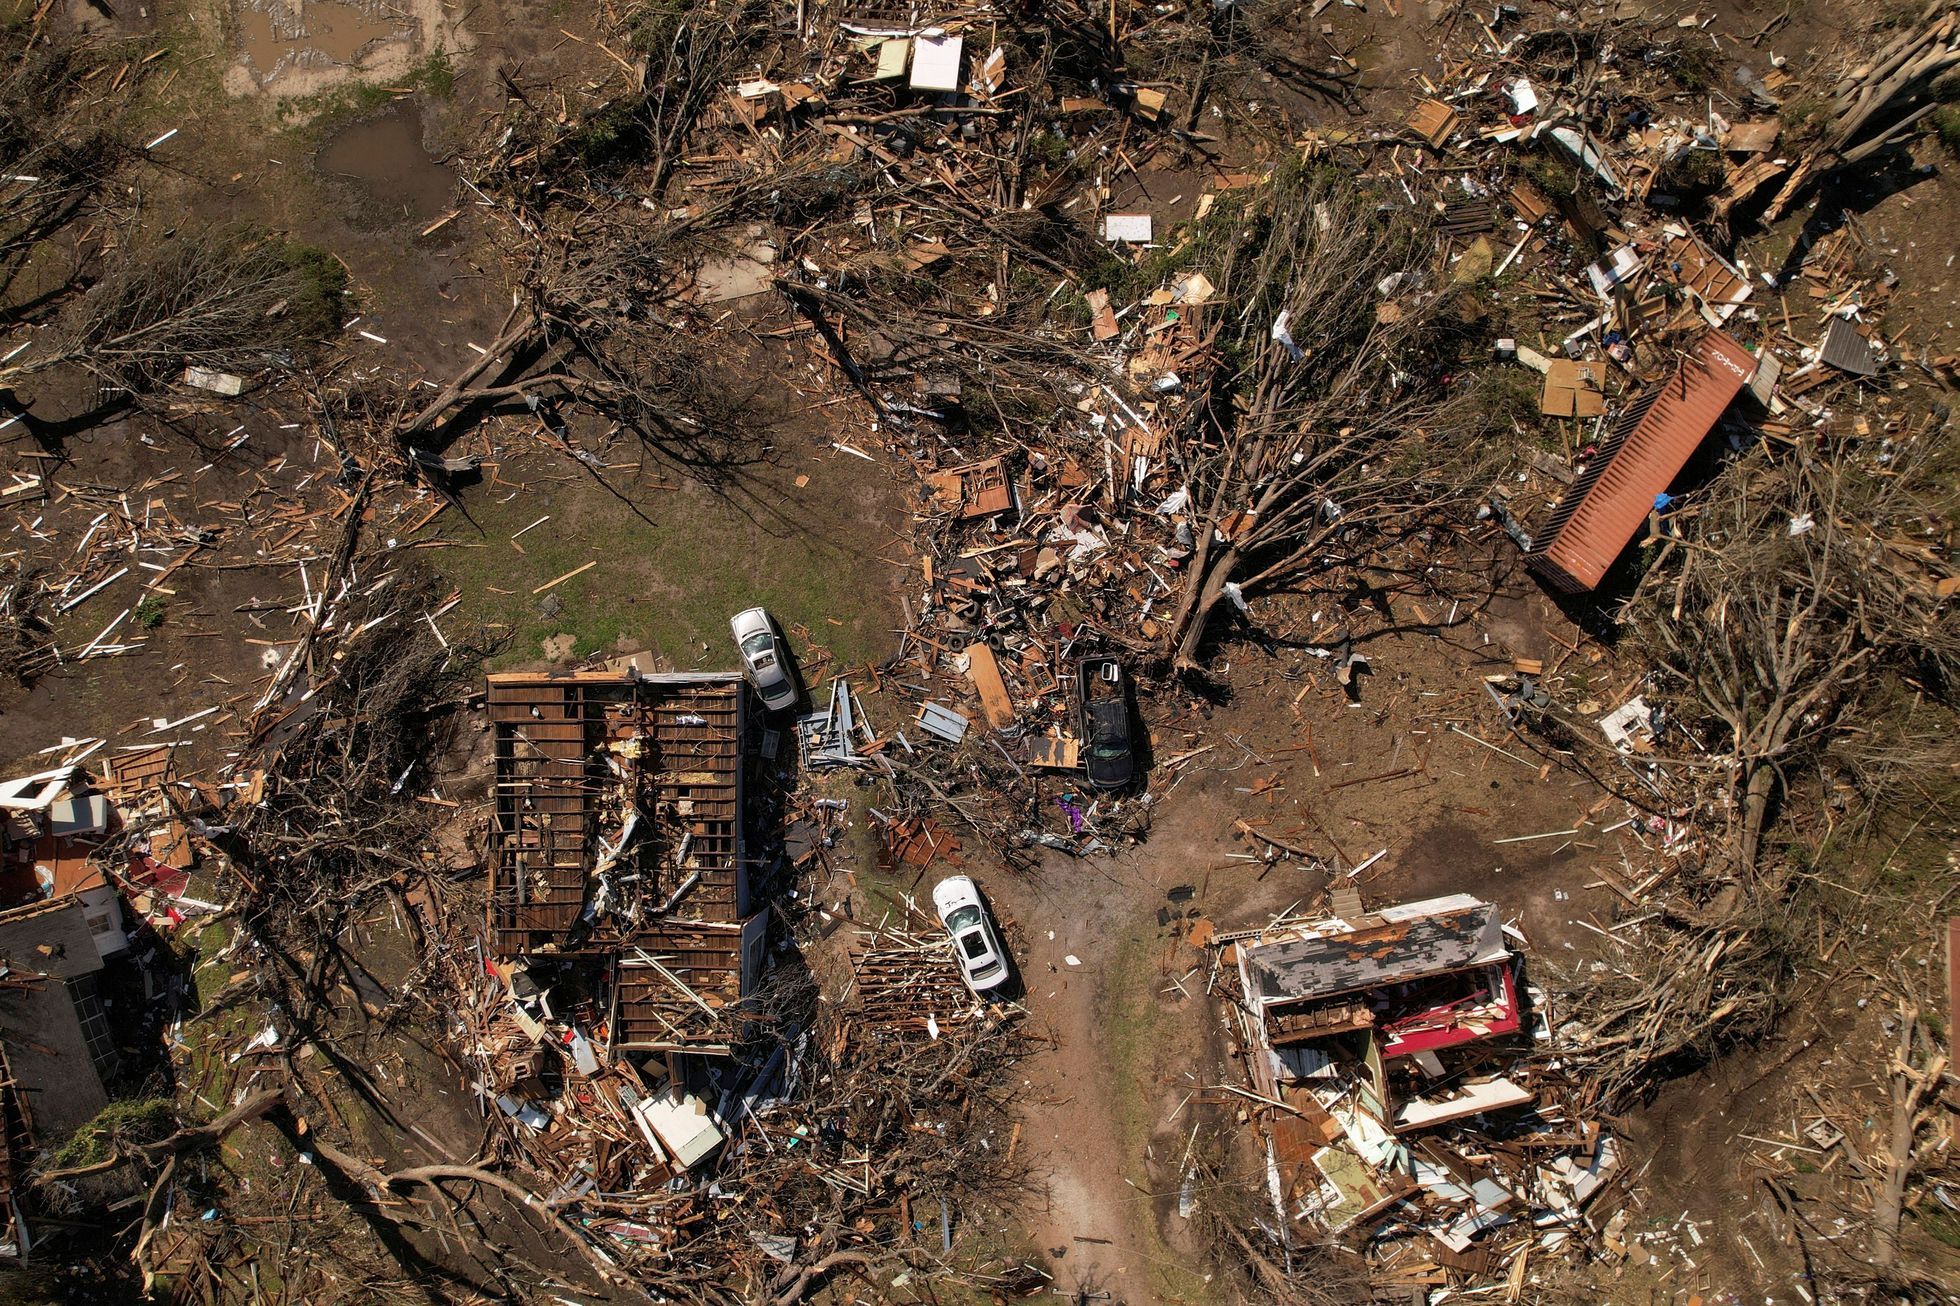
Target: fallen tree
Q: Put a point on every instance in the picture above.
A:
(1880, 103)
(1791, 605)
(1316, 454)
(222, 298)
(64, 112)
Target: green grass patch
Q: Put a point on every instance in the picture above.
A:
(1939, 1222)
(133, 1120)
(1135, 1027)
(671, 565)
(1946, 124)
(220, 1025)
(436, 74)
(1803, 117)
(319, 113)
(320, 305)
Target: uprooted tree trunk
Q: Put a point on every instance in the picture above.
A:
(1794, 604)
(191, 1138)
(1918, 1073)
(1880, 103)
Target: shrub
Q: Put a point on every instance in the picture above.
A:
(1946, 122)
(1803, 116)
(319, 303)
(133, 1120)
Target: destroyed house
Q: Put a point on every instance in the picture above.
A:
(1418, 978)
(617, 846)
(1371, 1044)
(1649, 444)
(51, 827)
(58, 1045)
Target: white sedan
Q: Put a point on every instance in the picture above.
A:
(765, 661)
(983, 962)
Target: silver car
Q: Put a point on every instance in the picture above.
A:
(983, 962)
(765, 659)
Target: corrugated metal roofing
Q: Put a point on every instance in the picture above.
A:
(1846, 350)
(1452, 939)
(1651, 442)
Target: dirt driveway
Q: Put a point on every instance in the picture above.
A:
(1116, 1048)
(1113, 1096)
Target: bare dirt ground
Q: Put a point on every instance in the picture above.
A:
(1110, 1110)
(813, 533)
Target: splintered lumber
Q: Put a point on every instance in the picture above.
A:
(554, 584)
(909, 984)
(984, 671)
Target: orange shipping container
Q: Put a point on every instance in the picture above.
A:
(1649, 445)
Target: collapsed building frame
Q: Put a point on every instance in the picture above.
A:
(618, 845)
(1402, 1093)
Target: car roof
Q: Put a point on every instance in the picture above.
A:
(955, 889)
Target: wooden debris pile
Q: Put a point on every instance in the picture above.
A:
(1409, 1096)
(729, 1171)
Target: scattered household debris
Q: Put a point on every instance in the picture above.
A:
(1404, 1100)
(626, 1037)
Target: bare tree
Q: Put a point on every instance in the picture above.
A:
(593, 269)
(218, 298)
(27, 647)
(63, 135)
(1702, 979)
(1790, 601)
(1919, 1075)
(1311, 456)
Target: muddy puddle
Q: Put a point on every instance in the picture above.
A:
(328, 27)
(383, 161)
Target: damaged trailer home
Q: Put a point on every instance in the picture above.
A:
(1405, 1106)
(618, 864)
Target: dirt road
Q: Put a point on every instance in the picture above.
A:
(1107, 1100)
(1074, 1131)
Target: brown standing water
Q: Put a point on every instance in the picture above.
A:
(336, 30)
(384, 159)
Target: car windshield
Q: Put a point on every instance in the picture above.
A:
(759, 643)
(1109, 751)
(975, 944)
(963, 918)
